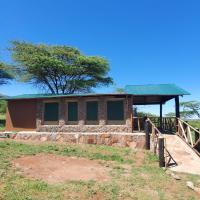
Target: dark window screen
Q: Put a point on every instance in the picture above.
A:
(92, 110)
(115, 110)
(72, 111)
(51, 112)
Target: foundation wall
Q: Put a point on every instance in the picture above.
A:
(110, 139)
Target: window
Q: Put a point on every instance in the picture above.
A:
(92, 110)
(72, 111)
(115, 110)
(51, 112)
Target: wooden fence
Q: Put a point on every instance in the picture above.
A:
(189, 134)
(156, 142)
(168, 124)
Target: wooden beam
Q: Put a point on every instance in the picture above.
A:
(161, 118)
(177, 107)
(177, 111)
(161, 150)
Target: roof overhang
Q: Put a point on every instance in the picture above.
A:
(155, 89)
(142, 94)
(151, 99)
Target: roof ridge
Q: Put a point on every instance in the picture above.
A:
(152, 84)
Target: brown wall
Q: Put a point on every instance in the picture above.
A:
(27, 115)
(21, 115)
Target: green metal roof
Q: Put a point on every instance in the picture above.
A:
(152, 89)
(137, 90)
(44, 96)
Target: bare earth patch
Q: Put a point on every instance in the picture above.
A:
(58, 169)
(140, 156)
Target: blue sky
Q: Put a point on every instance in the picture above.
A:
(145, 41)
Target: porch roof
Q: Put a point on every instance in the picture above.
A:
(154, 94)
(155, 89)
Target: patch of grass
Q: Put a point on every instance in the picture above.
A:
(2, 121)
(128, 180)
(17, 187)
(194, 123)
(2, 116)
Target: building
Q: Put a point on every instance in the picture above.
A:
(86, 113)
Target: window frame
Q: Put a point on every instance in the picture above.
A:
(88, 121)
(70, 122)
(46, 122)
(115, 121)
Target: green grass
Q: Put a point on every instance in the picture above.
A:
(195, 123)
(128, 179)
(2, 121)
(2, 116)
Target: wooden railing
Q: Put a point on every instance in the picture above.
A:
(138, 123)
(168, 124)
(156, 141)
(189, 134)
(158, 144)
(155, 134)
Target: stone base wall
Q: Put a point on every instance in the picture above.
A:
(110, 139)
(85, 128)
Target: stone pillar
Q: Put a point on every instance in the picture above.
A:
(62, 112)
(81, 111)
(39, 114)
(102, 111)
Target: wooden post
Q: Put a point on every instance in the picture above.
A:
(177, 111)
(161, 119)
(196, 135)
(147, 134)
(196, 138)
(185, 128)
(161, 152)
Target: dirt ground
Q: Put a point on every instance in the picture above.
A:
(58, 169)
(140, 156)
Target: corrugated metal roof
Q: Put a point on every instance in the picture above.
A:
(155, 89)
(140, 90)
(44, 96)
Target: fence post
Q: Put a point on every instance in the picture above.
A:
(185, 128)
(196, 136)
(161, 152)
(147, 134)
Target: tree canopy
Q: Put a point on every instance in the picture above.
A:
(189, 109)
(59, 69)
(119, 90)
(5, 74)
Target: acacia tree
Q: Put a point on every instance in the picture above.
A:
(189, 109)
(5, 74)
(59, 69)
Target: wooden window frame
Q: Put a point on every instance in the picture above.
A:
(115, 122)
(92, 122)
(68, 122)
(44, 122)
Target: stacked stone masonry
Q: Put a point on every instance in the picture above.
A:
(110, 139)
(101, 126)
